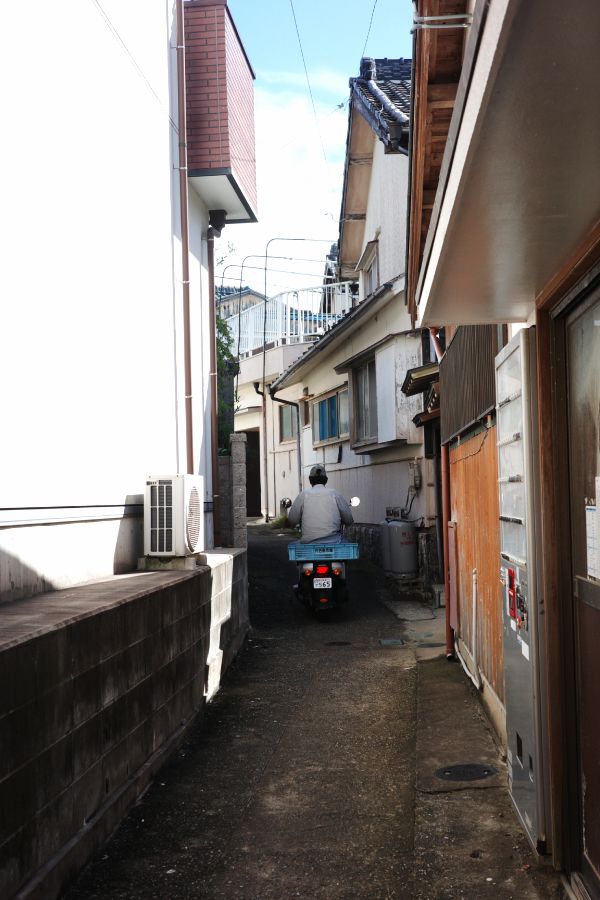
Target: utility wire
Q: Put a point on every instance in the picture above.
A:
(281, 271)
(308, 80)
(369, 31)
(133, 61)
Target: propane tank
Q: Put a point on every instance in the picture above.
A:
(384, 531)
(403, 548)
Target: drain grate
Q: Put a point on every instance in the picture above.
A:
(391, 642)
(338, 643)
(466, 772)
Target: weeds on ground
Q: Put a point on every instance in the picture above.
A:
(280, 522)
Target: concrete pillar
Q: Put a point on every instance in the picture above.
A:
(226, 511)
(238, 490)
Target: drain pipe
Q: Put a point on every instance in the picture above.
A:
(475, 675)
(298, 441)
(217, 221)
(445, 519)
(445, 460)
(185, 240)
(265, 453)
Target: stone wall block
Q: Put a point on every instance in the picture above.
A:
(238, 473)
(238, 447)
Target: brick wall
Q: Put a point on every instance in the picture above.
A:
(98, 684)
(206, 89)
(220, 95)
(240, 93)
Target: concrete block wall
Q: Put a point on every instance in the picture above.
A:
(368, 537)
(98, 685)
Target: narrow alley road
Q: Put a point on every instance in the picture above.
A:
(310, 776)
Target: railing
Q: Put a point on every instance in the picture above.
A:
(292, 317)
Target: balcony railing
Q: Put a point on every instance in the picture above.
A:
(293, 317)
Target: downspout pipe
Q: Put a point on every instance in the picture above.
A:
(298, 436)
(216, 220)
(475, 675)
(265, 456)
(445, 451)
(445, 460)
(214, 416)
(185, 239)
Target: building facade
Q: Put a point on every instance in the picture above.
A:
(512, 237)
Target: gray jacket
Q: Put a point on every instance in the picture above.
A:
(320, 511)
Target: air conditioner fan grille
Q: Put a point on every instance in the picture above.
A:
(193, 523)
(161, 517)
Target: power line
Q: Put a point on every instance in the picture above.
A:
(280, 271)
(133, 61)
(308, 80)
(369, 31)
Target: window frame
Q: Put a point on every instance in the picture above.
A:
(293, 421)
(315, 411)
(371, 273)
(358, 439)
(368, 266)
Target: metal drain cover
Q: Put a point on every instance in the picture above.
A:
(466, 772)
(391, 642)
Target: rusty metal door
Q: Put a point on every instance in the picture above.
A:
(583, 404)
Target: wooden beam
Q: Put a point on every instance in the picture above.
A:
(572, 270)
(436, 93)
(428, 199)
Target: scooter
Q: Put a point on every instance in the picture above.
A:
(322, 570)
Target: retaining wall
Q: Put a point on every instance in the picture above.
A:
(98, 685)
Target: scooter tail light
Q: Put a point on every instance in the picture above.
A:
(324, 600)
(337, 568)
(322, 569)
(307, 569)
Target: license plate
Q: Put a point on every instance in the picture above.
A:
(322, 583)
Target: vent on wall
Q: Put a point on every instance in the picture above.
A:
(174, 515)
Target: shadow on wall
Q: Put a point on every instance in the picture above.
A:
(129, 546)
(42, 551)
(18, 580)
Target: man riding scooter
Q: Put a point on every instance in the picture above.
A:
(321, 512)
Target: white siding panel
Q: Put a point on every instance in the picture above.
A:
(385, 375)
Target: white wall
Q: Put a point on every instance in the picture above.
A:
(380, 478)
(386, 211)
(91, 362)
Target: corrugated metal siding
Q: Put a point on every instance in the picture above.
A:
(467, 388)
(474, 504)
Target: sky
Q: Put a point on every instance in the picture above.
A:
(301, 132)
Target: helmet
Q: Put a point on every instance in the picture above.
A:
(318, 475)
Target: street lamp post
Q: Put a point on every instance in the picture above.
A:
(264, 373)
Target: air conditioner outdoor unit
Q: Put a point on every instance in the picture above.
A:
(174, 515)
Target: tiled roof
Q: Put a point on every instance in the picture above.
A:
(382, 94)
(226, 291)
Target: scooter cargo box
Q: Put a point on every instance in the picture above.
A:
(300, 552)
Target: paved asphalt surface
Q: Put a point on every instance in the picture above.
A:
(310, 775)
